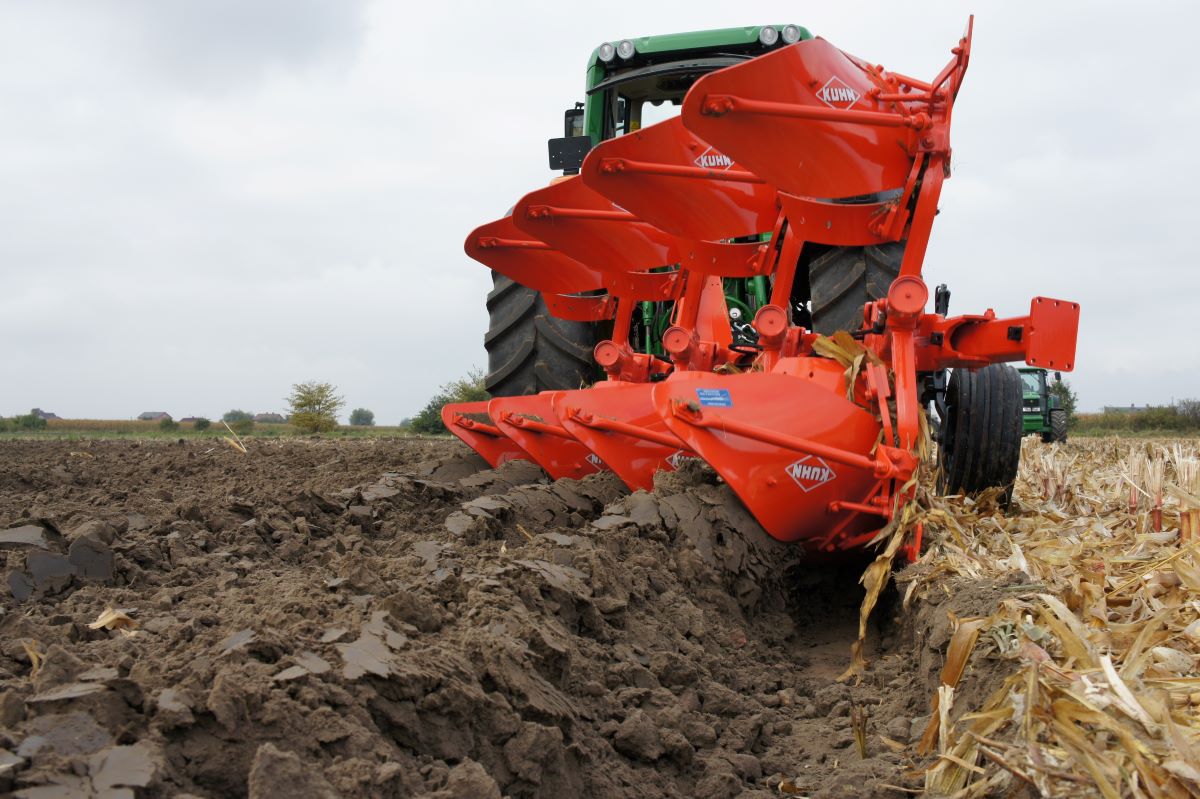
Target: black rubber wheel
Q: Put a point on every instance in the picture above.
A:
(843, 279)
(980, 444)
(528, 349)
(1058, 425)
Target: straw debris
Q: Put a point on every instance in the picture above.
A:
(1099, 634)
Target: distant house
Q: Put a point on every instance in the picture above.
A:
(188, 419)
(1131, 409)
(269, 418)
(153, 416)
(38, 412)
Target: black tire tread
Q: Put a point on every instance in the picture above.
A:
(1058, 425)
(528, 349)
(983, 446)
(843, 279)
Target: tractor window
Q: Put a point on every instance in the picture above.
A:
(1032, 381)
(628, 114)
(640, 98)
(655, 112)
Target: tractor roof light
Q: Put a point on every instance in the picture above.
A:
(768, 35)
(606, 52)
(791, 34)
(625, 49)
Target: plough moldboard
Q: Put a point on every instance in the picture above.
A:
(817, 436)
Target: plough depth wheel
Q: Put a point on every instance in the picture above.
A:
(980, 445)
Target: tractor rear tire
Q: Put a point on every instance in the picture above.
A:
(843, 279)
(528, 349)
(980, 445)
(1058, 427)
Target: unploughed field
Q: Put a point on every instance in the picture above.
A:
(390, 618)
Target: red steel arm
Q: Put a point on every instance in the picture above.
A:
(1046, 337)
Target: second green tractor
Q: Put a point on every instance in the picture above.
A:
(1041, 408)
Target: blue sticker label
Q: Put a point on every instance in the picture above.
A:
(715, 397)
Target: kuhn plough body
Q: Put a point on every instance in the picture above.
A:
(817, 436)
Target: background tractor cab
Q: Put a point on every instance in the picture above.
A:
(1042, 411)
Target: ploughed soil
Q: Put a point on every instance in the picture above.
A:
(391, 618)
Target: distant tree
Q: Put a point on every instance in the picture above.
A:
(315, 406)
(201, 423)
(240, 422)
(1066, 397)
(465, 389)
(30, 421)
(167, 424)
(361, 417)
(1189, 409)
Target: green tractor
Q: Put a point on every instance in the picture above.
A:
(1042, 411)
(630, 84)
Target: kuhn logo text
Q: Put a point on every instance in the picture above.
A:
(711, 159)
(837, 94)
(810, 473)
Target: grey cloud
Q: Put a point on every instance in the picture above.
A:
(204, 202)
(227, 44)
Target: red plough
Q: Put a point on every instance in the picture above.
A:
(818, 436)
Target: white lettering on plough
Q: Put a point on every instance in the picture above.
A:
(837, 94)
(712, 159)
(810, 473)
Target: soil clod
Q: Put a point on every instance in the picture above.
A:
(392, 618)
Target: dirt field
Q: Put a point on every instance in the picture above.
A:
(391, 618)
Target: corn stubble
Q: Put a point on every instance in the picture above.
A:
(1100, 634)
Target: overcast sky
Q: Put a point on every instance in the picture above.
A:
(204, 202)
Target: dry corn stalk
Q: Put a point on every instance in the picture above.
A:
(111, 619)
(848, 352)
(859, 717)
(966, 632)
(903, 525)
(1186, 489)
(235, 441)
(1102, 696)
(35, 656)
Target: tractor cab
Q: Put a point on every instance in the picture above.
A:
(634, 83)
